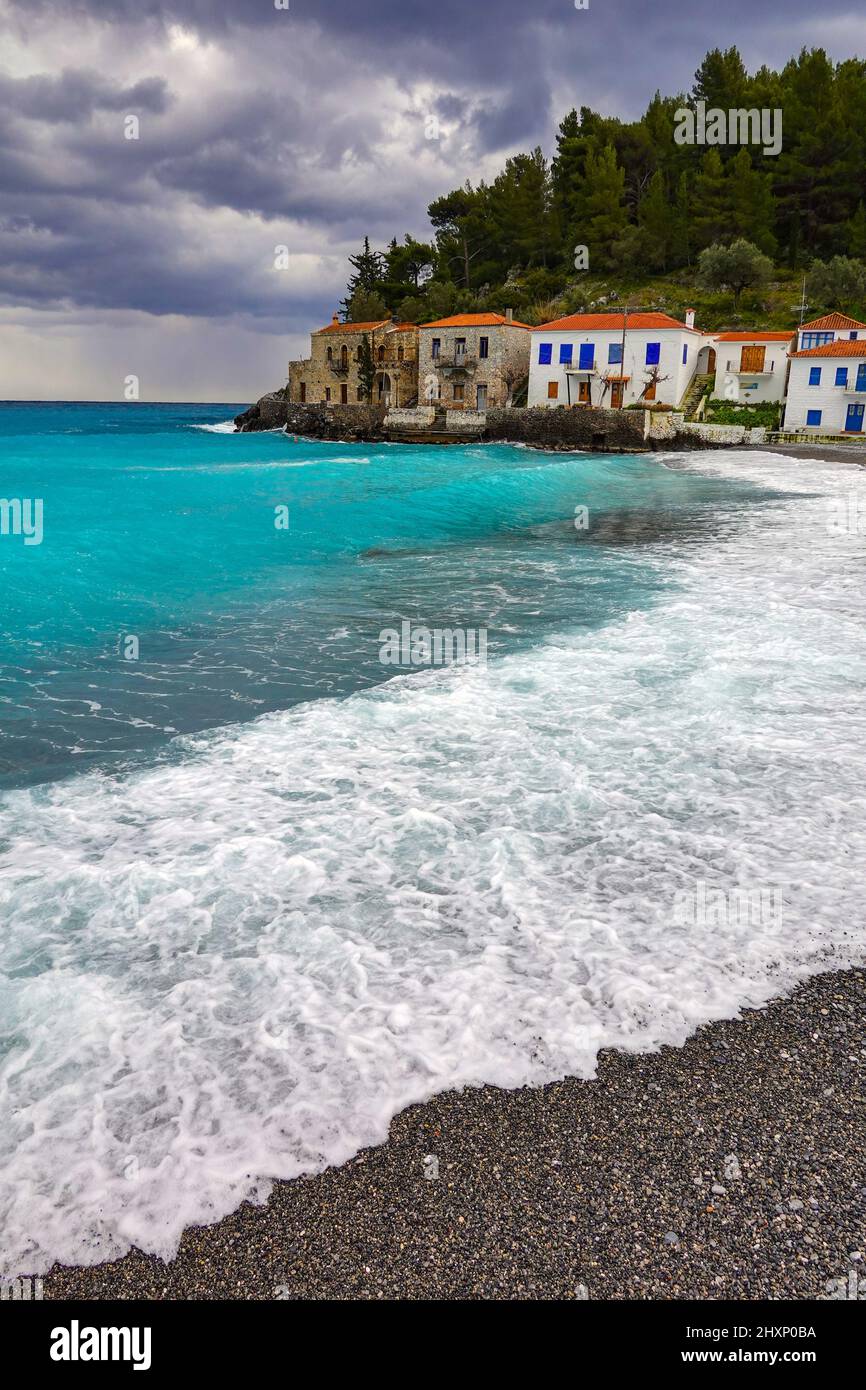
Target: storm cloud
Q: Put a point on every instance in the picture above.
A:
(154, 156)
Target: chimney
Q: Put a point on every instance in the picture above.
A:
(509, 315)
(335, 318)
(690, 318)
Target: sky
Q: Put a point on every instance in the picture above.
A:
(306, 128)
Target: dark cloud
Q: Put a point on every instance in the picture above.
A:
(306, 127)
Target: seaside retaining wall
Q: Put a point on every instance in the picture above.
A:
(568, 429)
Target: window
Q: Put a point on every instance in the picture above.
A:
(327, 393)
(841, 376)
(459, 349)
(358, 354)
(614, 354)
(853, 336)
(330, 354)
(813, 417)
(344, 358)
(587, 357)
(303, 392)
(653, 353)
(436, 347)
(545, 354)
(814, 376)
(553, 390)
(344, 395)
(861, 377)
(566, 351)
(381, 354)
(483, 347)
(360, 393)
(458, 391)
(685, 353)
(399, 354)
(810, 340)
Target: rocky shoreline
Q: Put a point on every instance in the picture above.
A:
(732, 1167)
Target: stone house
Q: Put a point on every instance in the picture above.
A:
(330, 374)
(472, 361)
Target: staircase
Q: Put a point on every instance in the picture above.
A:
(694, 394)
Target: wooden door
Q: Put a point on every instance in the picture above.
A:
(583, 392)
(615, 395)
(752, 359)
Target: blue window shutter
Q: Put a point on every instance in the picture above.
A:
(614, 354)
(814, 376)
(587, 356)
(841, 376)
(861, 377)
(565, 352)
(813, 417)
(653, 353)
(545, 353)
(685, 353)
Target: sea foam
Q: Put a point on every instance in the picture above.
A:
(241, 964)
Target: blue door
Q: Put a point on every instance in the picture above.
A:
(854, 421)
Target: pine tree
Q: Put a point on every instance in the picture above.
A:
(603, 207)
(368, 267)
(657, 220)
(750, 204)
(710, 201)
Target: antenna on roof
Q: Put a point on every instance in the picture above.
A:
(802, 306)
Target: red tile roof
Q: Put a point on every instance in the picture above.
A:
(353, 327)
(755, 337)
(476, 321)
(845, 347)
(833, 321)
(591, 321)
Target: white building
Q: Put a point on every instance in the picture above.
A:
(827, 380)
(751, 367)
(614, 360)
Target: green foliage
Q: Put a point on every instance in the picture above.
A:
(736, 267)
(646, 207)
(762, 413)
(366, 368)
(841, 284)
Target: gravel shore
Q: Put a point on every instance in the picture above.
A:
(733, 1167)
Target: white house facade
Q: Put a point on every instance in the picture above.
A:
(613, 360)
(827, 380)
(752, 367)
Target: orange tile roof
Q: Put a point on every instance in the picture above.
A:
(476, 321)
(845, 347)
(353, 327)
(590, 321)
(833, 321)
(755, 337)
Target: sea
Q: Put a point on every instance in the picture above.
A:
(260, 888)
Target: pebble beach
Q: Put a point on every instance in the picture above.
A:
(733, 1167)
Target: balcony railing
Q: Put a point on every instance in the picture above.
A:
(737, 370)
(338, 368)
(578, 367)
(455, 361)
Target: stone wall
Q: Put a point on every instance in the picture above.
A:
(591, 428)
(350, 422)
(419, 418)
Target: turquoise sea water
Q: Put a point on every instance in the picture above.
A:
(259, 891)
(158, 528)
